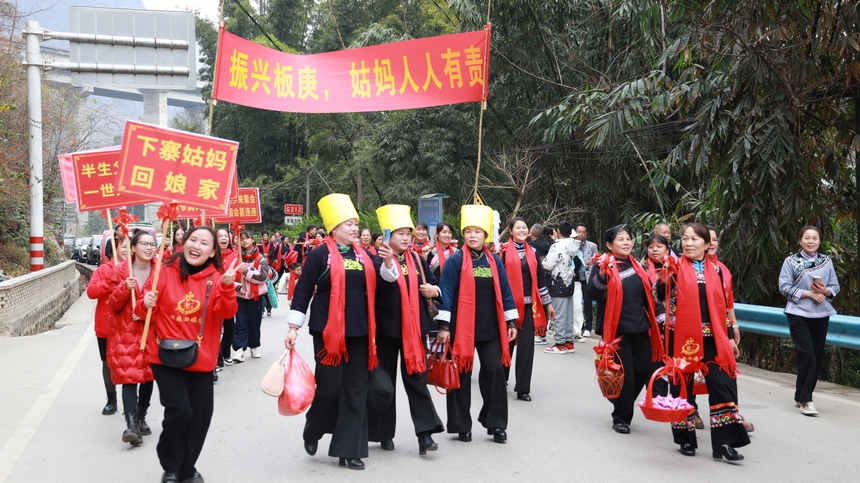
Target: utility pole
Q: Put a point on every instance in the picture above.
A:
(34, 112)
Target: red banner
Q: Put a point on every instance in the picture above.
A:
(433, 71)
(246, 210)
(96, 174)
(176, 166)
(192, 213)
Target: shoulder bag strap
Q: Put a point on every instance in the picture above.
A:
(205, 305)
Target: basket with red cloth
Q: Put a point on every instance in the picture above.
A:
(610, 374)
(667, 409)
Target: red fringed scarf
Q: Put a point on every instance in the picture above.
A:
(418, 247)
(334, 334)
(410, 317)
(443, 253)
(689, 341)
(294, 279)
(614, 299)
(513, 266)
(464, 342)
(653, 272)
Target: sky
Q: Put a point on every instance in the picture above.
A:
(209, 8)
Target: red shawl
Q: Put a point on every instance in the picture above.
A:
(513, 266)
(443, 253)
(689, 341)
(334, 334)
(464, 342)
(410, 317)
(614, 299)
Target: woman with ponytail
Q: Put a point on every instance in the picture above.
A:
(478, 313)
(701, 336)
(630, 335)
(254, 270)
(532, 299)
(340, 278)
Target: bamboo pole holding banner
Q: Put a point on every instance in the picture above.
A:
(487, 29)
(130, 266)
(212, 100)
(112, 236)
(164, 222)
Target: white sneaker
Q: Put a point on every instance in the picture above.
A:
(255, 353)
(586, 333)
(238, 356)
(540, 340)
(807, 409)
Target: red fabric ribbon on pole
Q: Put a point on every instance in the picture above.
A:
(123, 219)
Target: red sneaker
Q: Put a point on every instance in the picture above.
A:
(556, 349)
(569, 346)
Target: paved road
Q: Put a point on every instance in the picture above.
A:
(52, 430)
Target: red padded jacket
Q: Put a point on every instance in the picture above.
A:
(101, 285)
(129, 365)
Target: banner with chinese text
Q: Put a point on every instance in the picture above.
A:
(193, 213)
(176, 166)
(433, 71)
(246, 210)
(96, 174)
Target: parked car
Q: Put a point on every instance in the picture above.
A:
(84, 253)
(94, 254)
(76, 249)
(69, 246)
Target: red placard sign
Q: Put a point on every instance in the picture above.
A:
(96, 174)
(176, 166)
(192, 213)
(246, 210)
(432, 71)
(293, 209)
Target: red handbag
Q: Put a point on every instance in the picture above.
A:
(441, 371)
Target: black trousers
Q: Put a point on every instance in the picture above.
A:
(525, 354)
(340, 403)
(587, 308)
(421, 408)
(491, 381)
(809, 336)
(187, 398)
(634, 350)
(727, 425)
(227, 340)
(131, 399)
(110, 388)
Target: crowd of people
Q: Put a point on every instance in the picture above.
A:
(375, 301)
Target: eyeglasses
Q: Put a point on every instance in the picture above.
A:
(147, 244)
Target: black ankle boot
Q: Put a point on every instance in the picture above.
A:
(132, 433)
(110, 407)
(141, 420)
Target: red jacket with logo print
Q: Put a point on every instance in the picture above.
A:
(179, 310)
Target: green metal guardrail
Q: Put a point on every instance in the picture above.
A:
(843, 331)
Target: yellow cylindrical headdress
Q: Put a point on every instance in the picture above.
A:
(335, 209)
(394, 217)
(477, 215)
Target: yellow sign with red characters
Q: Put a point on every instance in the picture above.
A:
(177, 167)
(433, 71)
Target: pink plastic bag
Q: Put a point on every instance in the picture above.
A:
(299, 386)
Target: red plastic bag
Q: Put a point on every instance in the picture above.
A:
(299, 386)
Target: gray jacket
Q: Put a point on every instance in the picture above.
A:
(796, 277)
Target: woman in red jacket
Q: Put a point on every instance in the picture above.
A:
(225, 240)
(129, 365)
(191, 291)
(101, 285)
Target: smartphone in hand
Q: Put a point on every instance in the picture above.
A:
(386, 235)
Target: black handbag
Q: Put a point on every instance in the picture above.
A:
(182, 353)
(380, 391)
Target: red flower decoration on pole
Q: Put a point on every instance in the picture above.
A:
(168, 212)
(237, 228)
(123, 219)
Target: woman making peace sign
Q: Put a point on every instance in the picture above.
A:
(191, 290)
